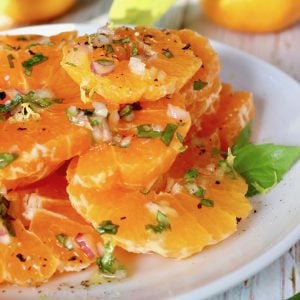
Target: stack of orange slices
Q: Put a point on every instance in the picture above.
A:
(112, 140)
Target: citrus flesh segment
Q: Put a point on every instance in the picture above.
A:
(73, 243)
(133, 212)
(202, 90)
(140, 63)
(138, 164)
(234, 110)
(39, 146)
(26, 260)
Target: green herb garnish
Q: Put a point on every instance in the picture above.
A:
(107, 227)
(64, 240)
(6, 159)
(167, 53)
(6, 108)
(199, 85)
(180, 137)
(262, 166)
(134, 50)
(162, 223)
(109, 49)
(125, 111)
(105, 61)
(168, 133)
(34, 60)
(207, 202)
(191, 174)
(146, 131)
(122, 41)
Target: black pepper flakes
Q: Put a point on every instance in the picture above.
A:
(20, 257)
(2, 95)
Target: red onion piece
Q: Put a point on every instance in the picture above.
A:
(85, 244)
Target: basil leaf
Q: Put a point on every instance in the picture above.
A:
(146, 131)
(6, 159)
(243, 138)
(107, 227)
(263, 166)
(34, 60)
(199, 85)
(168, 133)
(162, 223)
(6, 108)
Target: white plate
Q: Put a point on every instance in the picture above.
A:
(261, 238)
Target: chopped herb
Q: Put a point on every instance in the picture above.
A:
(191, 174)
(109, 49)
(34, 60)
(167, 53)
(168, 133)
(122, 41)
(10, 59)
(200, 192)
(182, 148)
(105, 62)
(94, 121)
(180, 137)
(162, 223)
(107, 227)
(6, 159)
(64, 240)
(6, 108)
(207, 202)
(199, 85)
(134, 50)
(125, 111)
(43, 102)
(146, 131)
(108, 263)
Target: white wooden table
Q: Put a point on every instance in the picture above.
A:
(282, 278)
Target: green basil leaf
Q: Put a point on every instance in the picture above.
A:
(146, 131)
(263, 166)
(243, 138)
(107, 227)
(6, 108)
(162, 223)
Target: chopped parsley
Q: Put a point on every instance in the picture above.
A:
(168, 133)
(199, 85)
(125, 111)
(167, 53)
(191, 174)
(207, 202)
(64, 240)
(146, 131)
(34, 60)
(107, 227)
(180, 137)
(109, 49)
(6, 159)
(134, 50)
(104, 61)
(163, 223)
(122, 41)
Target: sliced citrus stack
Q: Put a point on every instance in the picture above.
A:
(125, 65)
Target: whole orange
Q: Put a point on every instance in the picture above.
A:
(253, 15)
(32, 11)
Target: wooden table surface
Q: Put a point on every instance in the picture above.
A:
(281, 279)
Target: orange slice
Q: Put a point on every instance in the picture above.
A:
(125, 65)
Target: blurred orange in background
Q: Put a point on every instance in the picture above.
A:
(18, 12)
(253, 15)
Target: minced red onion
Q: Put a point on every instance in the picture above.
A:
(84, 241)
(177, 112)
(101, 69)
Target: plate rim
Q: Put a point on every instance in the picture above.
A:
(231, 279)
